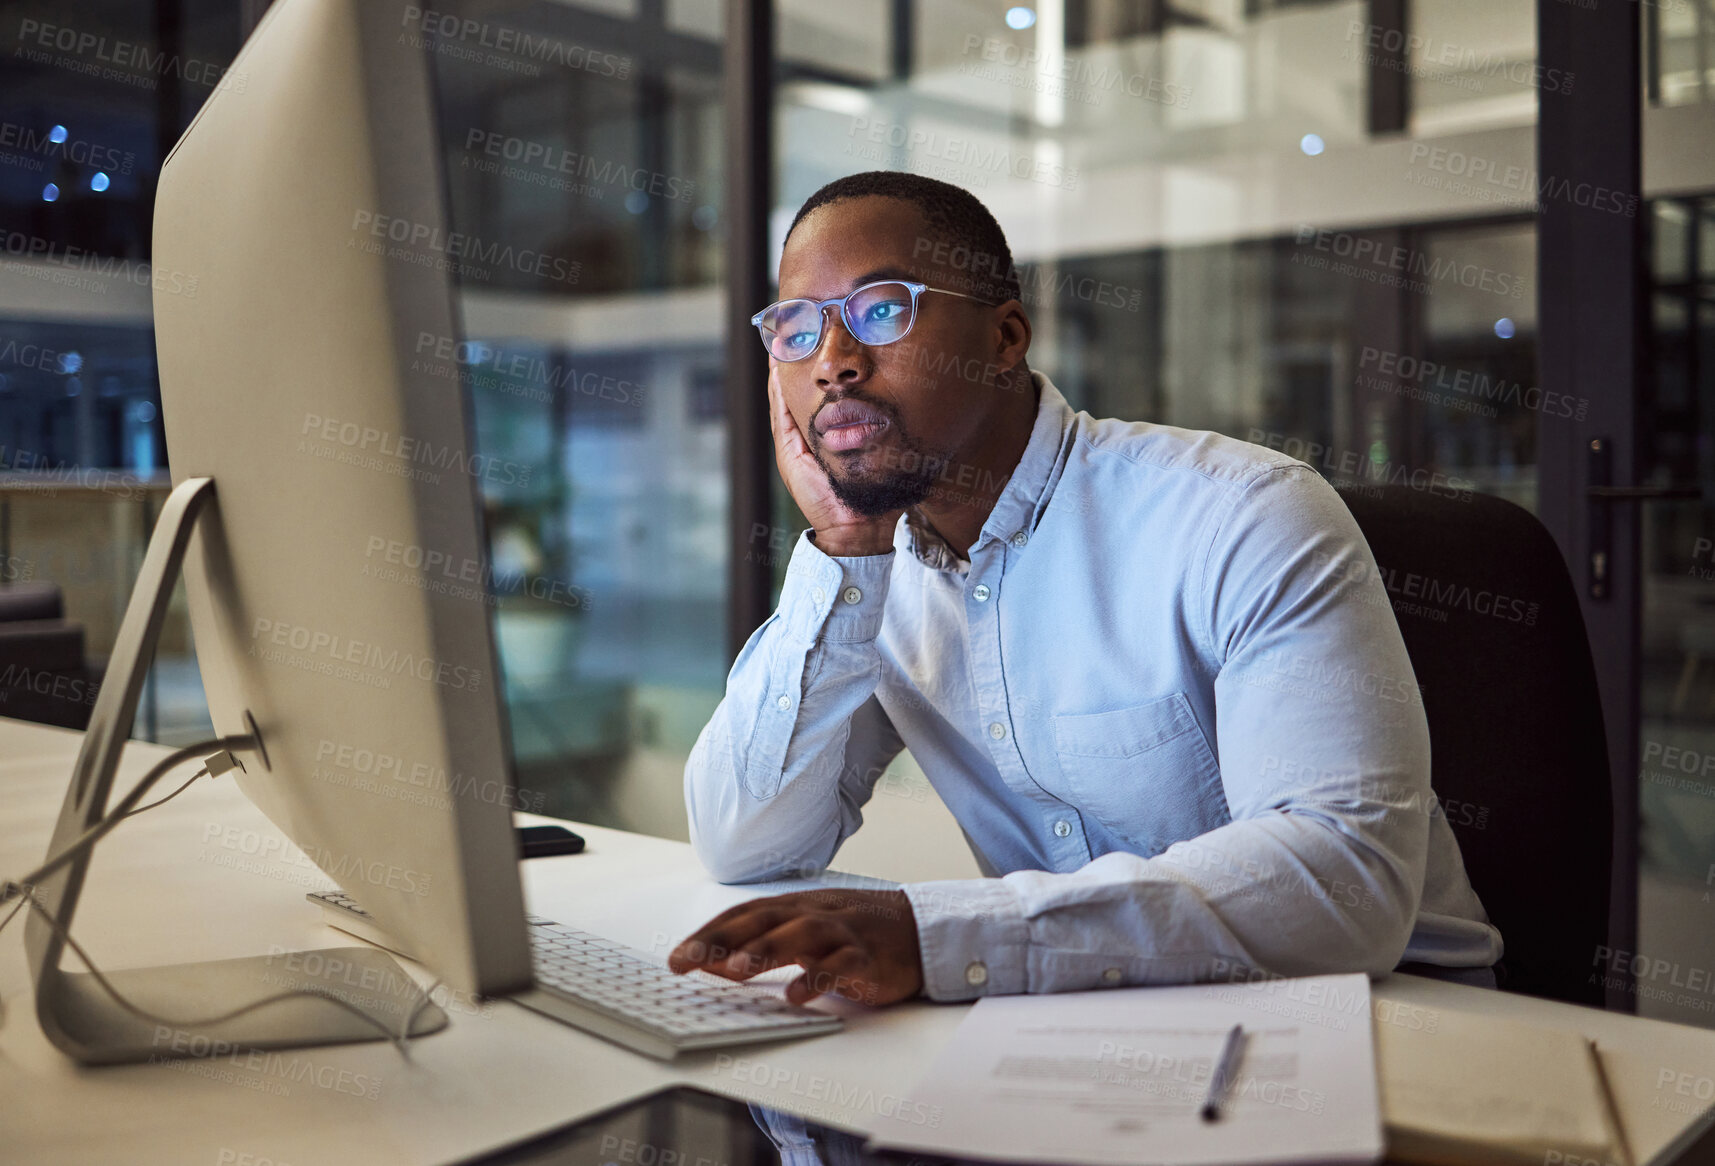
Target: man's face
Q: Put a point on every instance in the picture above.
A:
(906, 409)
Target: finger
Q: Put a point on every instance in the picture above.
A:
(839, 973)
(774, 400)
(808, 937)
(787, 434)
(712, 943)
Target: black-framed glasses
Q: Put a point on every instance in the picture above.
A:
(876, 313)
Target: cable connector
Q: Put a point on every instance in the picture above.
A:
(216, 764)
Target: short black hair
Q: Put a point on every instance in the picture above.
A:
(953, 214)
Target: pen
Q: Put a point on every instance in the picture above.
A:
(1611, 1110)
(1224, 1072)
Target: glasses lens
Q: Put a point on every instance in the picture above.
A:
(880, 313)
(791, 329)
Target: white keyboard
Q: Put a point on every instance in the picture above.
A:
(606, 988)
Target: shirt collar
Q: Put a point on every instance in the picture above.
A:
(1027, 491)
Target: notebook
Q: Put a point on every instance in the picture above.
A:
(1460, 1088)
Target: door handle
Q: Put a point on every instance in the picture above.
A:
(1602, 493)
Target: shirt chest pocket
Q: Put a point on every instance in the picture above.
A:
(1146, 772)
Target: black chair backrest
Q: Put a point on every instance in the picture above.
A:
(1519, 758)
(32, 599)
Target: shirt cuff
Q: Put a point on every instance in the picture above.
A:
(841, 599)
(972, 936)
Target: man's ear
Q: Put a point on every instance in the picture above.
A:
(1012, 334)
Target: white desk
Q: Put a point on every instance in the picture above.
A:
(157, 894)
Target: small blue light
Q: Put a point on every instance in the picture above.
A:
(1312, 144)
(1020, 18)
(1504, 328)
(100, 182)
(704, 218)
(637, 202)
(71, 361)
(57, 135)
(50, 192)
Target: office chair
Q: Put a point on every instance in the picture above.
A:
(44, 676)
(1519, 758)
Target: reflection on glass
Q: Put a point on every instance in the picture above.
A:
(1367, 305)
(606, 514)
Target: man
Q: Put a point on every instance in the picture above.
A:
(1152, 672)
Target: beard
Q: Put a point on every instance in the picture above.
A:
(907, 477)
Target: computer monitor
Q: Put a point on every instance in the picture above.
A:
(326, 508)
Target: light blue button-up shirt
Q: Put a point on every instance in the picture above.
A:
(1165, 699)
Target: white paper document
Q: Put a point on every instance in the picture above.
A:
(1120, 1077)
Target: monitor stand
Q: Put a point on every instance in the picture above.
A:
(78, 1015)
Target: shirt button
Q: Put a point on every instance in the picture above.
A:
(980, 592)
(819, 594)
(1020, 538)
(997, 730)
(851, 595)
(1062, 828)
(783, 703)
(976, 973)
(1111, 976)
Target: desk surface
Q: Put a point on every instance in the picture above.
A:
(165, 889)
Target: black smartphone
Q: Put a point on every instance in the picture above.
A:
(542, 841)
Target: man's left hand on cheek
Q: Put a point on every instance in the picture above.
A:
(858, 944)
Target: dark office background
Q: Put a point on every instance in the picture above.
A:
(1192, 187)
